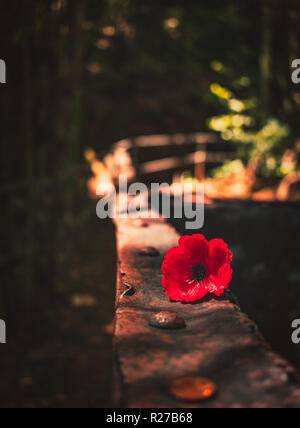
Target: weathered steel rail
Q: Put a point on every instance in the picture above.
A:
(212, 339)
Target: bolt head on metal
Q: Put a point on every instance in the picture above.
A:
(193, 389)
(167, 320)
(149, 252)
(141, 223)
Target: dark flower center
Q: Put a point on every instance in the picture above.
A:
(199, 272)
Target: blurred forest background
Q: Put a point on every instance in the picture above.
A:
(85, 73)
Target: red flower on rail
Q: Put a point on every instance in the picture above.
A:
(197, 267)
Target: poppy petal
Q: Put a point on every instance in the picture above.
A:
(180, 280)
(196, 246)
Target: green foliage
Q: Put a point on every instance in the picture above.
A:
(261, 147)
(229, 168)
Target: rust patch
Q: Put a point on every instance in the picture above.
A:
(144, 366)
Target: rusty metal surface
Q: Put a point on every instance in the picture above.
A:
(218, 342)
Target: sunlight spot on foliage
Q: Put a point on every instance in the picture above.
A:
(296, 97)
(229, 168)
(103, 44)
(100, 183)
(94, 68)
(109, 328)
(97, 167)
(227, 135)
(271, 163)
(83, 301)
(172, 23)
(217, 66)
(220, 92)
(57, 5)
(109, 31)
(244, 81)
(226, 122)
(288, 163)
(89, 155)
(236, 105)
(238, 120)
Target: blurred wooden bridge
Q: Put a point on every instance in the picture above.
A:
(159, 157)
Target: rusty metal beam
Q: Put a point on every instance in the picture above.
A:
(212, 339)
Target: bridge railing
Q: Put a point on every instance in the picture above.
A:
(154, 155)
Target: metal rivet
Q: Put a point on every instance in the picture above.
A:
(193, 389)
(140, 223)
(149, 252)
(167, 320)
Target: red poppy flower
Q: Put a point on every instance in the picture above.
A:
(197, 267)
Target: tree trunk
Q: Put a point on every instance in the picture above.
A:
(74, 103)
(266, 57)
